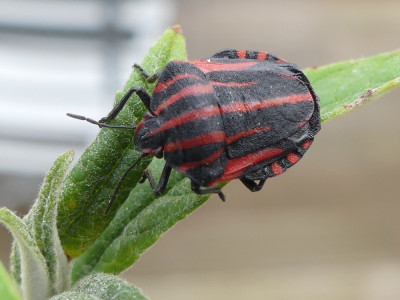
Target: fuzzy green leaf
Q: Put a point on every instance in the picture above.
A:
(7, 289)
(41, 223)
(15, 263)
(74, 296)
(102, 286)
(44, 226)
(35, 283)
(90, 184)
(138, 224)
(347, 85)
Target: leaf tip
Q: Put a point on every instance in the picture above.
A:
(177, 28)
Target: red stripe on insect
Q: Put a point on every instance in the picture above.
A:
(241, 54)
(303, 123)
(232, 84)
(196, 114)
(212, 66)
(204, 139)
(306, 144)
(233, 138)
(293, 158)
(163, 85)
(193, 90)
(147, 150)
(290, 76)
(262, 55)
(236, 166)
(208, 160)
(276, 168)
(139, 125)
(249, 106)
(281, 60)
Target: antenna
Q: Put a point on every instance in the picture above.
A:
(101, 125)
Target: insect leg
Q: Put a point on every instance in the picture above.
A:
(158, 189)
(196, 188)
(143, 95)
(117, 109)
(252, 185)
(149, 78)
(114, 195)
(83, 118)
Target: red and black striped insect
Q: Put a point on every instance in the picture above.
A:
(238, 114)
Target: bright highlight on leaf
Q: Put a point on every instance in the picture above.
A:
(33, 263)
(102, 286)
(7, 287)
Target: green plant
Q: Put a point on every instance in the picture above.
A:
(65, 248)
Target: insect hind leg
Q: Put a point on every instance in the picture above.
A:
(252, 185)
(196, 188)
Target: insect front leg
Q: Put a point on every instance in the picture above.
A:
(196, 188)
(143, 95)
(159, 188)
(149, 78)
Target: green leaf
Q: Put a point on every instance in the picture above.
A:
(138, 224)
(41, 223)
(90, 184)
(15, 263)
(74, 296)
(102, 286)
(347, 85)
(44, 224)
(7, 289)
(35, 282)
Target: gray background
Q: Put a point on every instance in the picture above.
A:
(328, 228)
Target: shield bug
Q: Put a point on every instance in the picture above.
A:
(239, 114)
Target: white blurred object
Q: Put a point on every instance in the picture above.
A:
(65, 56)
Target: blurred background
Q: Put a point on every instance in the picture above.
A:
(327, 229)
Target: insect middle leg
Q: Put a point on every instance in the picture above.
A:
(159, 188)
